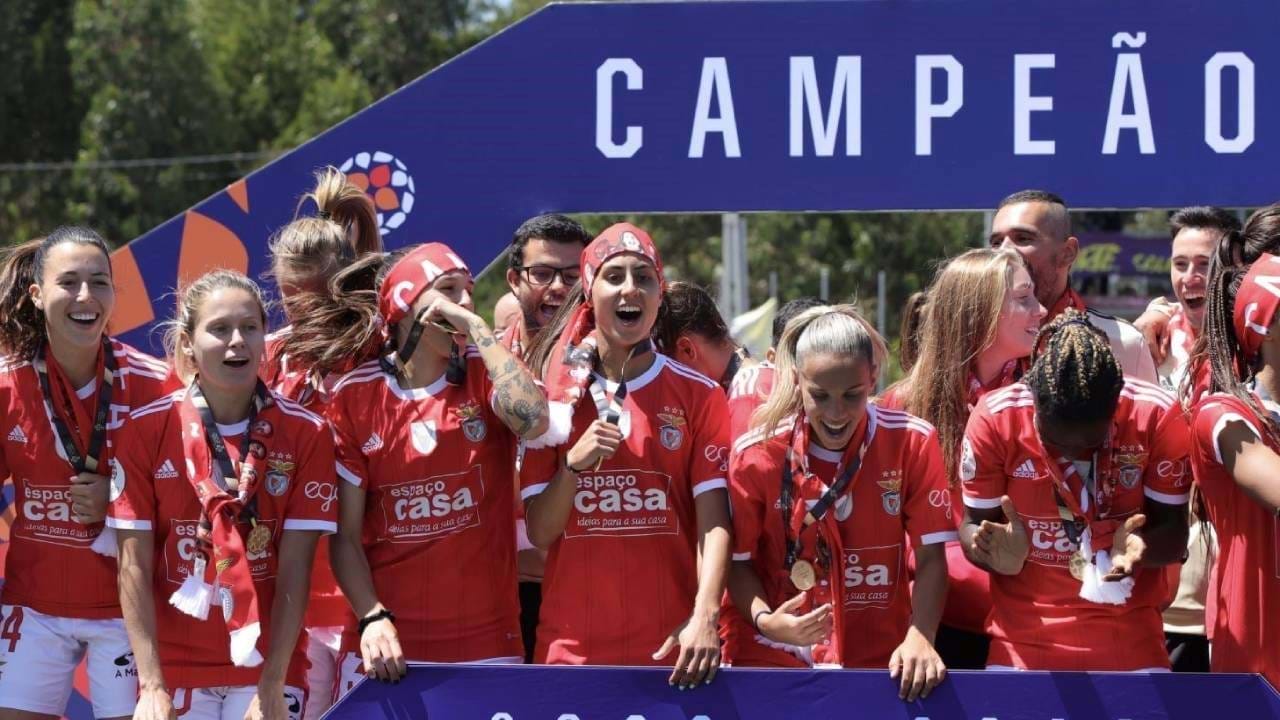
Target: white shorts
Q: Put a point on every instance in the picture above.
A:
(229, 703)
(323, 644)
(351, 670)
(38, 658)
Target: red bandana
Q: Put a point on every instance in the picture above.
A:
(1256, 304)
(569, 368)
(411, 276)
(219, 538)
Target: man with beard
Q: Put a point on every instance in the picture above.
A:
(1036, 224)
(542, 266)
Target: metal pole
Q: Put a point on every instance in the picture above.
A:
(773, 284)
(824, 284)
(744, 273)
(728, 262)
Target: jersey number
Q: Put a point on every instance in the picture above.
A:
(11, 627)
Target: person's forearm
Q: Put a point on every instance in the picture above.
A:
(137, 605)
(351, 569)
(929, 594)
(547, 513)
(293, 589)
(1166, 540)
(746, 590)
(518, 401)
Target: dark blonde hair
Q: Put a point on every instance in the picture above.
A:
(22, 324)
(345, 227)
(838, 329)
(187, 314)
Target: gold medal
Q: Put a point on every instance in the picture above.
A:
(803, 575)
(259, 538)
(1077, 565)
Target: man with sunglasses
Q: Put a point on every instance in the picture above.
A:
(542, 265)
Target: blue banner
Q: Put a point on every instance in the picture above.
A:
(530, 692)
(787, 106)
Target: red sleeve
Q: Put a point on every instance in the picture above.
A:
(1210, 418)
(538, 467)
(348, 456)
(313, 503)
(982, 460)
(709, 469)
(1168, 476)
(926, 505)
(749, 474)
(740, 409)
(133, 496)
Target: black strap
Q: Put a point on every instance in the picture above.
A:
(610, 409)
(824, 503)
(218, 447)
(1072, 525)
(393, 359)
(91, 460)
(731, 370)
(383, 614)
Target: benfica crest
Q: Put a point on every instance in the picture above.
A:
(1130, 469)
(891, 498)
(473, 425)
(671, 433)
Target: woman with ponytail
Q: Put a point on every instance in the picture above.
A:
(825, 487)
(221, 492)
(1236, 458)
(1075, 488)
(426, 428)
(65, 386)
(627, 489)
(305, 255)
(973, 335)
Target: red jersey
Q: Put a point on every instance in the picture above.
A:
(298, 493)
(624, 573)
(1245, 630)
(749, 390)
(51, 568)
(1038, 620)
(436, 467)
(327, 607)
(897, 493)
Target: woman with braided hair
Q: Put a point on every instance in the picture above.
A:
(1075, 486)
(1236, 459)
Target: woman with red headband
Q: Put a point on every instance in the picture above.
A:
(426, 430)
(1236, 459)
(627, 488)
(221, 491)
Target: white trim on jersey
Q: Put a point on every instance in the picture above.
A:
(326, 527)
(84, 392)
(759, 434)
(646, 377)
(1219, 426)
(709, 485)
(981, 503)
(690, 373)
(742, 557)
(1167, 499)
(123, 524)
(916, 424)
(289, 407)
(532, 490)
(364, 373)
(821, 453)
(163, 403)
(943, 536)
(435, 388)
(347, 475)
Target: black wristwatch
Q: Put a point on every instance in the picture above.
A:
(383, 614)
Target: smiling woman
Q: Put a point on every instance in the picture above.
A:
(60, 377)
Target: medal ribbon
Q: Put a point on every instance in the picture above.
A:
(610, 409)
(1090, 506)
(90, 459)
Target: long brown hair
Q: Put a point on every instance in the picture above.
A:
(958, 322)
(22, 324)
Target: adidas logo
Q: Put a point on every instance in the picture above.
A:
(16, 435)
(166, 471)
(1026, 470)
(373, 443)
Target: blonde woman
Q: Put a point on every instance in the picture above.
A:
(825, 488)
(978, 324)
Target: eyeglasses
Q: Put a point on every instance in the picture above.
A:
(545, 274)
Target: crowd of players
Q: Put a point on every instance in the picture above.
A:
(250, 526)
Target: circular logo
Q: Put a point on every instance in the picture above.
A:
(117, 480)
(387, 182)
(968, 463)
(277, 483)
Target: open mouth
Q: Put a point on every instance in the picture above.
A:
(1193, 302)
(629, 315)
(84, 319)
(835, 430)
(549, 310)
(236, 362)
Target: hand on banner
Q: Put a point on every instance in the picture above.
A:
(599, 442)
(917, 666)
(268, 704)
(1128, 548)
(89, 493)
(802, 630)
(1003, 547)
(154, 704)
(380, 651)
(699, 659)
